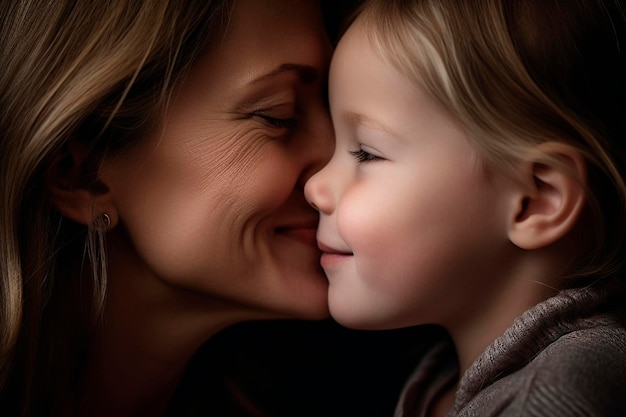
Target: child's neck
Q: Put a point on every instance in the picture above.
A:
(534, 280)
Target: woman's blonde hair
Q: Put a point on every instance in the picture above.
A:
(516, 73)
(96, 72)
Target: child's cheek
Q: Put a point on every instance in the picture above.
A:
(371, 229)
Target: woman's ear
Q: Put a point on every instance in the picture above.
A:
(552, 197)
(75, 191)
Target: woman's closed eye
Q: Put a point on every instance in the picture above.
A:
(276, 122)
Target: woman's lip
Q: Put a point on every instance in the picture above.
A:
(305, 233)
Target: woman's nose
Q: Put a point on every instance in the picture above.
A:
(318, 193)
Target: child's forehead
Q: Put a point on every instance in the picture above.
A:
(363, 41)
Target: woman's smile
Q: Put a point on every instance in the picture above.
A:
(304, 232)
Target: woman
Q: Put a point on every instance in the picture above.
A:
(153, 157)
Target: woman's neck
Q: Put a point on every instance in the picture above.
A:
(149, 333)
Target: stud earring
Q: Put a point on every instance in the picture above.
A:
(102, 222)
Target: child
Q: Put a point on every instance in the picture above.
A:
(478, 183)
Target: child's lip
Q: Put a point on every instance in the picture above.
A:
(332, 257)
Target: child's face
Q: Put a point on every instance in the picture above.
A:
(411, 225)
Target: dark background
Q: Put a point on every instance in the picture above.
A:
(304, 369)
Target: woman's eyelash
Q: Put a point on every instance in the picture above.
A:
(276, 122)
(363, 156)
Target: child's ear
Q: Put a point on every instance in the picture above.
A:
(71, 182)
(552, 197)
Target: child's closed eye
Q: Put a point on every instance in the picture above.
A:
(363, 156)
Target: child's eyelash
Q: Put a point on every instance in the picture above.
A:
(362, 156)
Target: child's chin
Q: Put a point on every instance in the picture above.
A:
(357, 320)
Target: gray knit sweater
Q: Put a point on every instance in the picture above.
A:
(564, 357)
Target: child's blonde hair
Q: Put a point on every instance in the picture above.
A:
(516, 73)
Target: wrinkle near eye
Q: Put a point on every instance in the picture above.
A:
(229, 154)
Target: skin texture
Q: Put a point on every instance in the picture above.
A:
(210, 224)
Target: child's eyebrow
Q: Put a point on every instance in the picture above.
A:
(359, 119)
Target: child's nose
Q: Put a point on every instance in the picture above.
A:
(318, 193)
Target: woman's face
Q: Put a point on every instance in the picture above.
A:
(214, 202)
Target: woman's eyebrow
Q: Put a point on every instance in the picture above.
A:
(306, 73)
